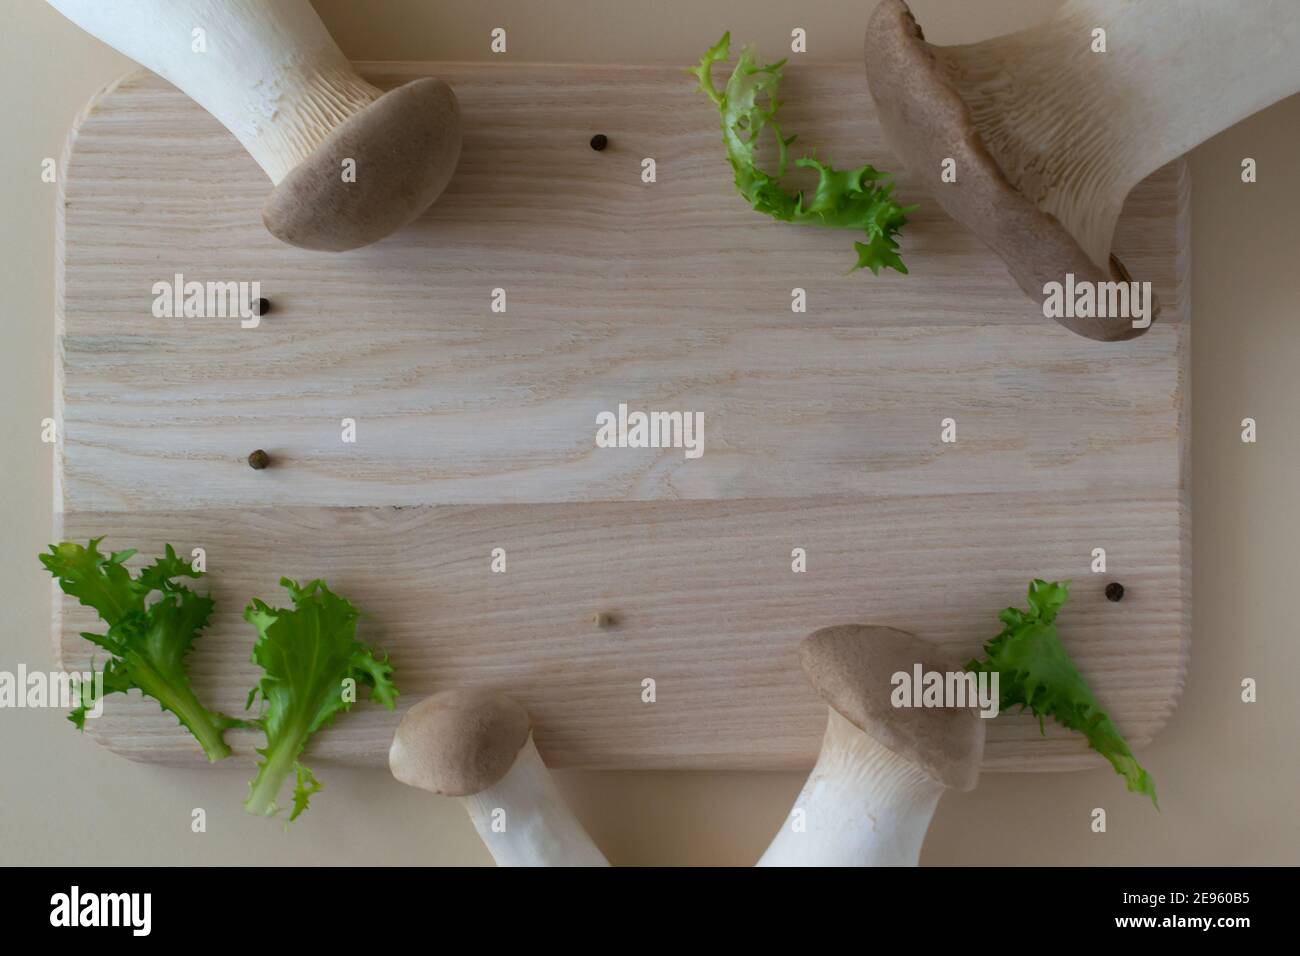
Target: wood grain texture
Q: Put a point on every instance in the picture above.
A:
(703, 601)
(475, 430)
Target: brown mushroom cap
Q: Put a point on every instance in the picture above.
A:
(927, 122)
(405, 144)
(850, 666)
(458, 742)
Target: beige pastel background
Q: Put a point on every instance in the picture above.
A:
(1229, 773)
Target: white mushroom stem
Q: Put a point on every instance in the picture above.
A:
(270, 73)
(863, 805)
(524, 820)
(1075, 130)
(478, 745)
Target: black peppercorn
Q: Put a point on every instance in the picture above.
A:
(262, 307)
(259, 460)
(1114, 591)
(599, 142)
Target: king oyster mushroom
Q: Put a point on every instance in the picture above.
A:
(882, 769)
(1049, 137)
(273, 76)
(478, 746)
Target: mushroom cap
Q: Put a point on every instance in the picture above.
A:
(458, 742)
(405, 144)
(927, 122)
(850, 666)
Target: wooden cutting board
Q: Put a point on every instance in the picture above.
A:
(475, 429)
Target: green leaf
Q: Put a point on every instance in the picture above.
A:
(147, 641)
(305, 785)
(1036, 673)
(858, 199)
(306, 653)
(98, 581)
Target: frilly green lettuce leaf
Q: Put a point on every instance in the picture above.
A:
(858, 199)
(147, 641)
(1036, 673)
(306, 653)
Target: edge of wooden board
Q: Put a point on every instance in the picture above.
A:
(57, 597)
(1183, 271)
(704, 602)
(1048, 761)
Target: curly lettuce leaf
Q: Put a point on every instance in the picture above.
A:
(858, 199)
(1037, 673)
(307, 653)
(147, 642)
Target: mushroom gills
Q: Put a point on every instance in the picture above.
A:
(882, 767)
(274, 77)
(862, 805)
(1049, 133)
(1075, 130)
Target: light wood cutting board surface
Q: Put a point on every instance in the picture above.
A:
(475, 429)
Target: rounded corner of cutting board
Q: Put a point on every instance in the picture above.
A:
(94, 103)
(747, 521)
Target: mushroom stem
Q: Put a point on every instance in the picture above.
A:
(350, 163)
(478, 745)
(1047, 133)
(863, 805)
(1075, 130)
(883, 766)
(540, 830)
(270, 72)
